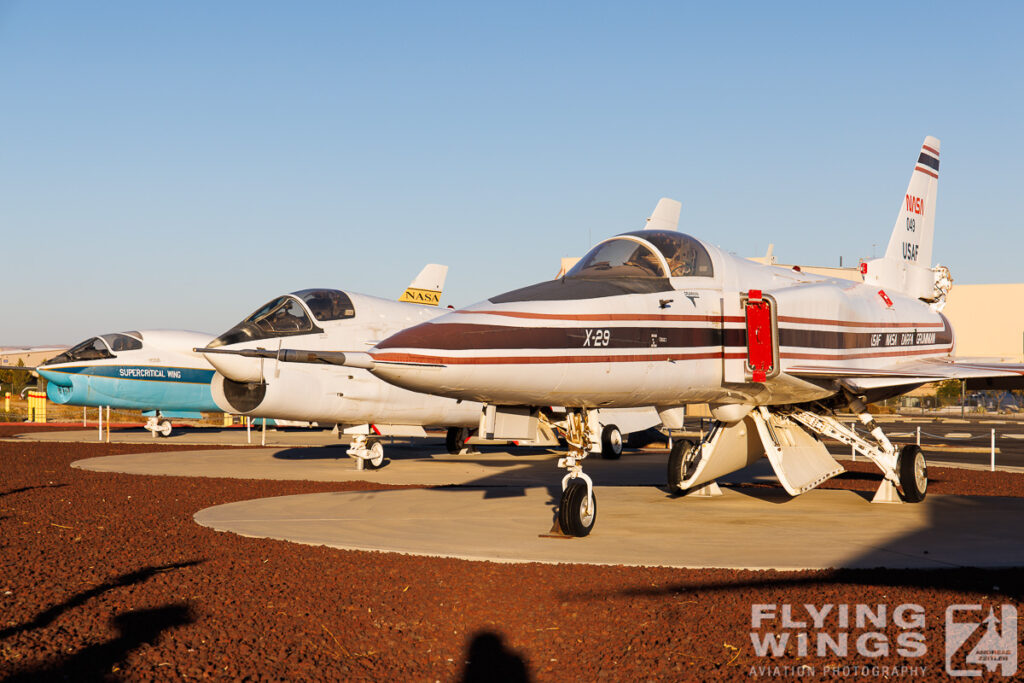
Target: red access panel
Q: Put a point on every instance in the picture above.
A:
(760, 345)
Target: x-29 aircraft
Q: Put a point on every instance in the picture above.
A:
(158, 371)
(255, 378)
(661, 318)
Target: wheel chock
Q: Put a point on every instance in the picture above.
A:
(887, 493)
(709, 490)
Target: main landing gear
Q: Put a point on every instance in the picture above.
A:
(905, 471)
(577, 510)
(157, 425)
(455, 441)
(611, 443)
(790, 438)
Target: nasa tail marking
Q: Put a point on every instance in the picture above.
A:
(426, 288)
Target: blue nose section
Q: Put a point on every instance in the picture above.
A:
(59, 378)
(60, 386)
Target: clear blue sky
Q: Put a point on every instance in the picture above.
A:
(177, 164)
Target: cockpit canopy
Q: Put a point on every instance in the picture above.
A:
(96, 348)
(286, 316)
(327, 304)
(645, 253)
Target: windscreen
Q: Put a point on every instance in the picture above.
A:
(283, 317)
(90, 349)
(618, 257)
(327, 304)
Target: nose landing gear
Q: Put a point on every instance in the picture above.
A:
(577, 509)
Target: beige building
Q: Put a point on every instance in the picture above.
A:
(985, 320)
(28, 355)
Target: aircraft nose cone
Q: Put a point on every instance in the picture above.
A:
(61, 379)
(237, 368)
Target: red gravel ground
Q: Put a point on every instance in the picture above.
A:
(106, 576)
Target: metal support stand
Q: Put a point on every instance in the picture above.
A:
(709, 490)
(887, 493)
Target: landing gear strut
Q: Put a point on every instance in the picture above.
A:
(905, 472)
(577, 510)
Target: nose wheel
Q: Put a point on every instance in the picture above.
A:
(368, 453)
(577, 510)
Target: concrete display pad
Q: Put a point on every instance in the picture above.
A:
(763, 529)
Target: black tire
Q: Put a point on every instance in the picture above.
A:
(913, 471)
(572, 518)
(455, 439)
(611, 443)
(165, 428)
(680, 464)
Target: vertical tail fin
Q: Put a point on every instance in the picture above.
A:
(914, 231)
(665, 216)
(426, 287)
(907, 264)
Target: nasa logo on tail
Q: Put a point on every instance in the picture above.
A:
(421, 296)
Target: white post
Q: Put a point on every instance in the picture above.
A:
(263, 436)
(99, 436)
(108, 424)
(993, 449)
(918, 435)
(248, 429)
(85, 419)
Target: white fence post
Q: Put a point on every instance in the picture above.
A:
(993, 449)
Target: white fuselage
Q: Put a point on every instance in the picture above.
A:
(330, 394)
(685, 341)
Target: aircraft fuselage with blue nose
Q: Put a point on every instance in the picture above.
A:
(152, 370)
